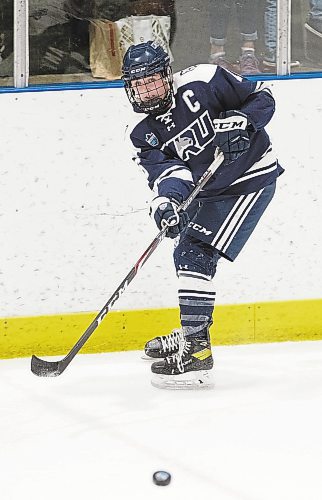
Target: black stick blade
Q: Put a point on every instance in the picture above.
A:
(43, 368)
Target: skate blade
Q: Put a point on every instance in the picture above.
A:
(185, 381)
(148, 358)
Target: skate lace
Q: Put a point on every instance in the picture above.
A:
(178, 357)
(171, 341)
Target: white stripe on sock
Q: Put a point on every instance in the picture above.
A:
(199, 285)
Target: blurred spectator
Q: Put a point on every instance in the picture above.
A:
(270, 37)
(110, 9)
(314, 22)
(113, 10)
(220, 15)
(6, 38)
(59, 41)
(60, 34)
(313, 33)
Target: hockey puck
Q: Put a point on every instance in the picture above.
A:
(161, 478)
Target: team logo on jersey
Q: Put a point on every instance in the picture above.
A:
(182, 143)
(193, 139)
(151, 139)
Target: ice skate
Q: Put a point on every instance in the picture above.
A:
(269, 61)
(163, 346)
(219, 59)
(189, 368)
(249, 64)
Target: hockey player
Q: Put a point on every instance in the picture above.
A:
(187, 119)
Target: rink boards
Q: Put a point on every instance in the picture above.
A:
(129, 330)
(74, 220)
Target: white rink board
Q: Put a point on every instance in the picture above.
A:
(73, 207)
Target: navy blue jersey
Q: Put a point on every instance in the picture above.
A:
(176, 148)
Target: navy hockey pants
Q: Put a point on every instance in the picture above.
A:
(227, 224)
(217, 229)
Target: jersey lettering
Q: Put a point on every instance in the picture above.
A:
(167, 120)
(193, 106)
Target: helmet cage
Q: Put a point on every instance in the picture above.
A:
(156, 105)
(141, 61)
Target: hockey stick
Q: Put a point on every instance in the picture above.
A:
(44, 368)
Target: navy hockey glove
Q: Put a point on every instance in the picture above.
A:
(165, 213)
(232, 135)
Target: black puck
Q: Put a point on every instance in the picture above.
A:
(161, 478)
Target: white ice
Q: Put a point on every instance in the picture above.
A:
(100, 430)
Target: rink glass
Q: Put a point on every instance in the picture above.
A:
(60, 34)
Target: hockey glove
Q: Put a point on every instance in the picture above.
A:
(232, 135)
(165, 213)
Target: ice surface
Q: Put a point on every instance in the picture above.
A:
(100, 430)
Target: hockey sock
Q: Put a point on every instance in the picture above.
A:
(196, 300)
